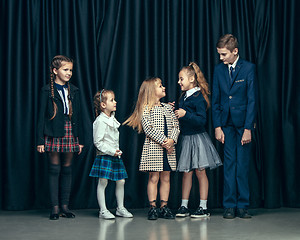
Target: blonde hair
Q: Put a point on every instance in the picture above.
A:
(100, 96)
(146, 101)
(193, 70)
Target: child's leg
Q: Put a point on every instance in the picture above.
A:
(102, 183)
(120, 193)
(66, 183)
(203, 187)
(164, 189)
(54, 171)
(186, 187)
(121, 210)
(152, 187)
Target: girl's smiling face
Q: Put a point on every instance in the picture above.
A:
(160, 90)
(185, 82)
(64, 73)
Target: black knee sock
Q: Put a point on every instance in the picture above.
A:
(65, 186)
(54, 171)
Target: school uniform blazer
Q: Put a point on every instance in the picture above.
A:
(55, 127)
(237, 98)
(153, 126)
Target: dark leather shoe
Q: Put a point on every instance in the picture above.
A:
(243, 213)
(54, 216)
(165, 212)
(68, 214)
(152, 213)
(229, 213)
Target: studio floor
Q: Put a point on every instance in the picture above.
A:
(283, 223)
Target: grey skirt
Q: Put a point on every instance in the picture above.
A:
(197, 152)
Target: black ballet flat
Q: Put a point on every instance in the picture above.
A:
(54, 216)
(67, 214)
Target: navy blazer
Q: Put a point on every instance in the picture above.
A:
(237, 98)
(55, 127)
(194, 120)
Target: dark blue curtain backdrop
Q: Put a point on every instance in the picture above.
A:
(116, 44)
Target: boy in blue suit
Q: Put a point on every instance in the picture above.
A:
(233, 112)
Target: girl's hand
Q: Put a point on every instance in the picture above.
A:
(40, 148)
(118, 153)
(80, 149)
(172, 104)
(246, 138)
(180, 113)
(168, 144)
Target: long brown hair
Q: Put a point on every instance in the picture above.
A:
(100, 96)
(146, 101)
(57, 63)
(193, 70)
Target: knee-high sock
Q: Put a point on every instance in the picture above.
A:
(65, 185)
(54, 171)
(120, 193)
(102, 183)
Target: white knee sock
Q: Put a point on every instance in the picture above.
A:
(203, 204)
(120, 192)
(102, 183)
(184, 202)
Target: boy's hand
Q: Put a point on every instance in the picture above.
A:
(172, 104)
(246, 138)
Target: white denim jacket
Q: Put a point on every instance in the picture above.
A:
(106, 134)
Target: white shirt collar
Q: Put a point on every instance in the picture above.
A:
(234, 64)
(111, 121)
(191, 92)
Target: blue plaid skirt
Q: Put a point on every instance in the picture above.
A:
(108, 167)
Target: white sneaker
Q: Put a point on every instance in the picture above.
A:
(106, 214)
(122, 212)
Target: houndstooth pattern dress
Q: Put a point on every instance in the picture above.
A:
(153, 126)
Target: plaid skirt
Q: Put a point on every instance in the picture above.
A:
(67, 143)
(108, 167)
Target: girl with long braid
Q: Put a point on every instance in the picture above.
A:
(196, 151)
(59, 132)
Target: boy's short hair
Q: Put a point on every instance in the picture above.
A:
(228, 41)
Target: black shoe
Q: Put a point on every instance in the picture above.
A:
(152, 213)
(243, 213)
(182, 212)
(165, 212)
(229, 213)
(67, 214)
(54, 216)
(200, 213)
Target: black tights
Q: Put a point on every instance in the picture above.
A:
(60, 179)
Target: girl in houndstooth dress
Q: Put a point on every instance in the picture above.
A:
(161, 129)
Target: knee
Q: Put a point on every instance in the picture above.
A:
(165, 178)
(120, 182)
(201, 173)
(153, 178)
(102, 182)
(54, 169)
(66, 170)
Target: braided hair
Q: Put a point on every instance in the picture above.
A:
(194, 70)
(57, 63)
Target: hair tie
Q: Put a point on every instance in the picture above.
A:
(101, 95)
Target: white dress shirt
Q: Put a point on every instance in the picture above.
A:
(190, 92)
(106, 134)
(234, 64)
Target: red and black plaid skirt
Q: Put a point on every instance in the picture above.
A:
(67, 143)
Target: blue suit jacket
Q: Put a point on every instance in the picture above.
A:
(237, 98)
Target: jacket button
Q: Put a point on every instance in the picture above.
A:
(230, 97)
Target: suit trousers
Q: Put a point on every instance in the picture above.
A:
(236, 168)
